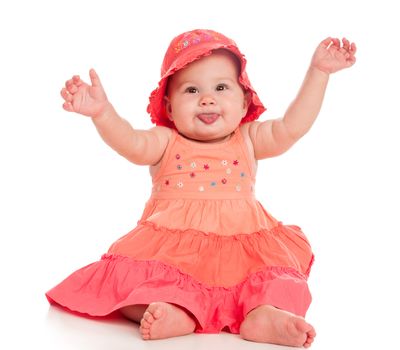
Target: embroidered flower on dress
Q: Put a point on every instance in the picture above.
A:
(192, 174)
(213, 184)
(206, 166)
(178, 156)
(193, 165)
(180, 184)
(179, 167)
(242, 174)
(224, 162)
(166, 182)
(238, 188)
(229, 171)
(224, 181)
(235, 162)
(201, 188)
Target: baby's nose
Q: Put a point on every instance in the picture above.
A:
(207, 100)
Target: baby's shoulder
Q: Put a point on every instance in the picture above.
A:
(162, 133)
(163, 138)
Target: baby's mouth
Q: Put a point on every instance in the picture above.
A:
(208, 118)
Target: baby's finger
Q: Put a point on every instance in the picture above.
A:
(71, 87)
(336, 42)
(94, 78)
(77, 80)
(346, 44)
(353, 48)
(68, 107)
(69, 83)
(326, 42)
(350, 61)
(65, 95)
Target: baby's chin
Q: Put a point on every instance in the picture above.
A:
(208, 136)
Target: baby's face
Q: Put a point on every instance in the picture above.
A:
(205, 100)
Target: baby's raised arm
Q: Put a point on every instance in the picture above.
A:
(273, 137)
(144, 147)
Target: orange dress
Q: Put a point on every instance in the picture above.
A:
(204, 243)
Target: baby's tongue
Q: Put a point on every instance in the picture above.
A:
(208, 118)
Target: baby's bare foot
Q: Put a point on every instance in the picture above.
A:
(163, 320)
(267, 324)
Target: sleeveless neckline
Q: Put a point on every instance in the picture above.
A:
(206, 145)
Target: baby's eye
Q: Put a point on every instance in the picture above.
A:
(191, 90)
(222, 87)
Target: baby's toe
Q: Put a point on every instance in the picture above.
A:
(146, 336)
(144, 330)
(148, 317)
(144, 324)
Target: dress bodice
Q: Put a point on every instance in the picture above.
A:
(199, 170)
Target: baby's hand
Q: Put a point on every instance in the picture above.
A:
(80, 97)
(331, 55)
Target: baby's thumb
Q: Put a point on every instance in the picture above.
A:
(94, 78)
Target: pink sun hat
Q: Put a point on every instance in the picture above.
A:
(186, 48)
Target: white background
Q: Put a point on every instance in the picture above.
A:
(65, 196)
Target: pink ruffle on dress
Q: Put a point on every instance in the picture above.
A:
(204, 243)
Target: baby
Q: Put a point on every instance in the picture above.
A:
(205, 256)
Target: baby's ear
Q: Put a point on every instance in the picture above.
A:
(168, 107)
(246, 100)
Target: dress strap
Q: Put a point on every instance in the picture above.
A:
(166, 155)
(251, 162)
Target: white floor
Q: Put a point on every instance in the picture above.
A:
(65, 331)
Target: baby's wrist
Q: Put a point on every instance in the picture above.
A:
(104, 112)
(319, 71)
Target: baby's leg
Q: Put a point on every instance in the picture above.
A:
(267, 324)
(160, 320)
